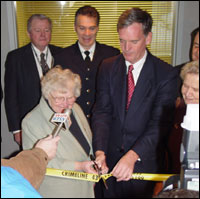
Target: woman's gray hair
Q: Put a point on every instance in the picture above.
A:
(58, 79)
(191, 68)
(37, 16)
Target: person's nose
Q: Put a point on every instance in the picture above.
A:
(87, 32)
(43, 33)
(127, 46)
(189, 92)
(66, 103)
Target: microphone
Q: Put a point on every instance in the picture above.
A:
(60, 119)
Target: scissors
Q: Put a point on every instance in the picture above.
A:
(98, 169)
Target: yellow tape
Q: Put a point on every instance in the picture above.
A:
(72, 174)
(95, 178)
(151, 176)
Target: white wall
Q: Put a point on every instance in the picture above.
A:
(8, 42)
(187, 20)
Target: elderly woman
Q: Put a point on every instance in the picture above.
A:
(190, 77)
(60, 88)
(190, 92)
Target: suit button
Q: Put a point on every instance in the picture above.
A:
(88, 103)
(88, 69)
(88, 116)
(87, 78)
(88, 90)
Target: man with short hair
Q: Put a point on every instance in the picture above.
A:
(24, 67)
(85, 56)
(133, 112)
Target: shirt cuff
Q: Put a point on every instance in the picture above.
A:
(14, 132)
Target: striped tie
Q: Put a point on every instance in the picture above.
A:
(131, 86)
(43, 64)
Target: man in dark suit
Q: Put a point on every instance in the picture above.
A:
(23, 70)
(73, 57)
(129, 138)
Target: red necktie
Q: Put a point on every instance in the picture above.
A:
(131, 85)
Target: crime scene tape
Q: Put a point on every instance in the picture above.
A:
(95, 177)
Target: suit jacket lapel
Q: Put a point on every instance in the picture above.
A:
(97, 58)
(77, 52)
(120, 86)
(78, 58)
(30, 65)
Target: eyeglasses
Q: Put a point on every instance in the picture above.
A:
(59, 100)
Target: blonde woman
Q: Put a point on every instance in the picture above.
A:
(190, 92)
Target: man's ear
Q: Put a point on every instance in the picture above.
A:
(29, 35)
(149, 38)
(75, 28)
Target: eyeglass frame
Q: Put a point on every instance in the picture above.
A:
(59, 100)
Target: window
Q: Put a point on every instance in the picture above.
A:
(62, 14)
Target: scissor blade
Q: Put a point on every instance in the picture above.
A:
(105, 184)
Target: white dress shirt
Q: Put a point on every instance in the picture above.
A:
(48, 58)
(91, 50)
(137, 67)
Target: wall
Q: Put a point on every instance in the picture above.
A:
(8, 42)
(187, 20)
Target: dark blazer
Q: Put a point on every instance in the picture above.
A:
(71, 58)
(22, 84)
(148, 118)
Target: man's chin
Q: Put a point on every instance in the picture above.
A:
(128, 58)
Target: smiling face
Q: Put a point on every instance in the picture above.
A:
(86, 29)
(133, 42)
(190, 89)
(40, 33)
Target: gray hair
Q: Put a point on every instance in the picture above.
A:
(40, 17)
(191, 68)
(135, 15)
(58, 79)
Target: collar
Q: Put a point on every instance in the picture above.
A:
(139, 64)
(91, 50)
(38, 51)
(49, 104)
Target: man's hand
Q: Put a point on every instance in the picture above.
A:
(101, 161)
(49, 145)
(86, 166)
(124, 168)
(18, 138)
